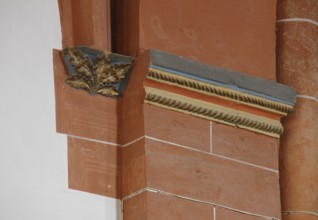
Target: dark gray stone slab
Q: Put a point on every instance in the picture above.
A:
(226, 78)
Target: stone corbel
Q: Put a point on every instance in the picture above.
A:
(97, 72)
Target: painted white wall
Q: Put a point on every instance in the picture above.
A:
(33, 157)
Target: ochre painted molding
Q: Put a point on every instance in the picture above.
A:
(225, 96)
(212, 99)
(213, 112)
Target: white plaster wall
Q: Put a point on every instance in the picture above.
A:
(33, 157)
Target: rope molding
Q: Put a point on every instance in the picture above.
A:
(220, 92)
(213, 112)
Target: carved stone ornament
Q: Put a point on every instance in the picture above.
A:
(97, 72)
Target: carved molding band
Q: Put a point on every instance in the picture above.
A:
(218, 91)
(213, 112)
(97, 72)
(225, 96)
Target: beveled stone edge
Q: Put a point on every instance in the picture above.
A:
(213, 112)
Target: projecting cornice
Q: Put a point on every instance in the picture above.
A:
(220, 95)
(186, 86)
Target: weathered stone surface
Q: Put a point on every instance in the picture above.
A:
(243, 40)
(297, 9)
(94, 167)
(298, 56)
(245, 145)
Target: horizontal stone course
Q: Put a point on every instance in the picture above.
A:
(245, 146)
(177, 128)
(94, 167)
(209, 178)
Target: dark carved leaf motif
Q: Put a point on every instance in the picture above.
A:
(100, 78)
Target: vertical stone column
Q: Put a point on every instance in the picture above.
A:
(297, 66)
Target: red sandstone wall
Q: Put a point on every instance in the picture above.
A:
(237, 35)
(207, 170)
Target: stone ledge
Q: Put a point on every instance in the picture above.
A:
(232, 80)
